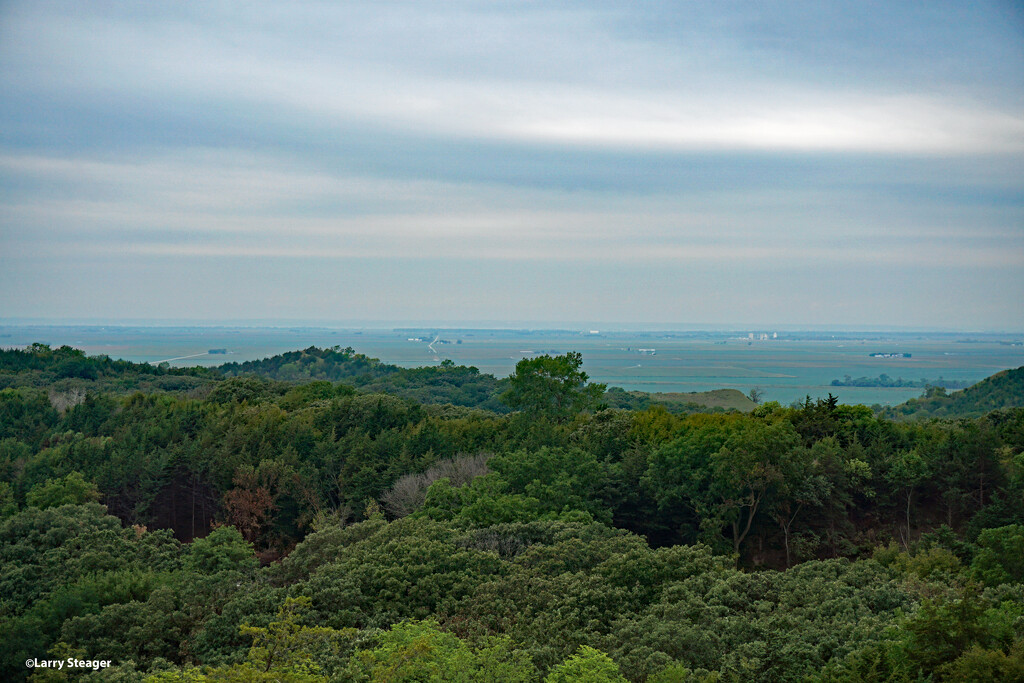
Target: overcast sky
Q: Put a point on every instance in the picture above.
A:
(787, 163)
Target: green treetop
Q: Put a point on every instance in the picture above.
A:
(552, 386)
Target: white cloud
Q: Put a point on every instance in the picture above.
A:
(386, 68)
(827, 121)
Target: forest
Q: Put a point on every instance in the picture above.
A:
(323, 516)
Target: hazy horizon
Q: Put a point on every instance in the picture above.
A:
(580, 326)
(800, 164)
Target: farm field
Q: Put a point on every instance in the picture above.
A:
(785, 368)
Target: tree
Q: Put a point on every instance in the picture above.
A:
(943, 629)
(409, 492)
(800, 486)
(223, 549)
(1000, 556)
(249, 506)
(907, 470)
(421, 651)
(586, 665)
(552, 387)
(70, 490)
(8, 506)
(561, 479)
(286, 644)
(753, 461)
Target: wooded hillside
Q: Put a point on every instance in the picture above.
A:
(1002, 390)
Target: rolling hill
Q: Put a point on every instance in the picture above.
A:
(1002, 390)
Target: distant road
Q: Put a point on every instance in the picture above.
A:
(168, 360)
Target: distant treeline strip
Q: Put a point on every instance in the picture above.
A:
(884, 380)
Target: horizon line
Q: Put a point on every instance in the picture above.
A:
(582, 326)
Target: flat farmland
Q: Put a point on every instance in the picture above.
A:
(785, 368)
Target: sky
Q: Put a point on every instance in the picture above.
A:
(726, 163)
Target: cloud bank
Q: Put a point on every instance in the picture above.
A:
(791, 162)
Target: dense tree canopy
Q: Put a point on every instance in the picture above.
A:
(312, 530)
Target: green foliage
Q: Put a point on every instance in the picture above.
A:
(762, 626)
(43, 549)
(979, 665)
(229, 601)
(143, 630)
(8, 506)
(724, 471)
(444, 384)
(934, 563)
(72, 489)
(677, 673)
(25, 415)
(1000, 555)
(238, 673)
(313, 392)
(1002, 390)
(483, 502)
(288, 646)
(68, 370)
(942, 630)
(66, 562)
(411, 568)
(243, 390)
(561, 480)
(420, 651)
(222, 550)
(962, 636)
(332, 364)
(552, 386)
(523, 567)
(586, 665)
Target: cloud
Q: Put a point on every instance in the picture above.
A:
(830, 122)
(529, 140)
(203, 204)
(537, 74)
